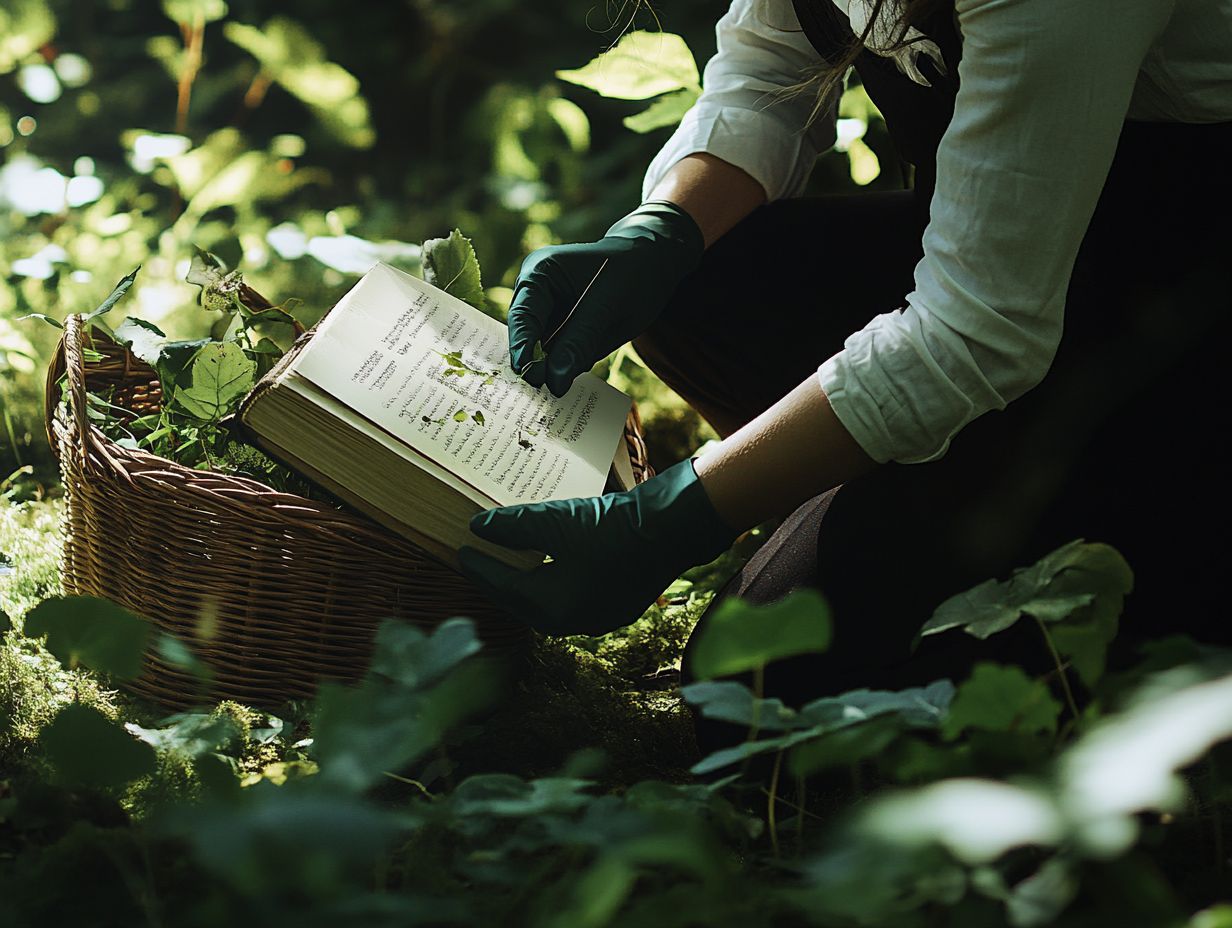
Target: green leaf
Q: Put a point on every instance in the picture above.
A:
(844, 747)
(42, 317)
(641, 65)
(976, 820)
(729, 701)
(740, 636)
(477, 415)
(97, 633)
(115, 296)
(206, 269)
(665, 111)
(292, 57)
(190, 735)
(88, 749)
(1041, 897)
(191, 12)
(176, 653)
(451, 265)
(220, 374)
(404, 654)
(999, 698)
(1059, 586)
(144, 339)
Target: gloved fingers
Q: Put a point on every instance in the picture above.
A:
(575, 349)
(538, 526)
(529, 313)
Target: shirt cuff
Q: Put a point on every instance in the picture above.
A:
(778, 158)
(891, 395)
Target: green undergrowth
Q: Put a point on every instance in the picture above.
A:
(570, 792)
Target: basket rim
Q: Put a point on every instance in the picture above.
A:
(100, 453)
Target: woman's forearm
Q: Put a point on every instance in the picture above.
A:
(791, 452)
(716, 194)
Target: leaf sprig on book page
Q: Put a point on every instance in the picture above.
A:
(450, 264)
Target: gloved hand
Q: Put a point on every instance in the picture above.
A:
(612, 555)
(648, 253)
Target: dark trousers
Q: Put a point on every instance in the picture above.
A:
(1121, 443)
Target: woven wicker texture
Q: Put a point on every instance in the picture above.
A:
(275, 592)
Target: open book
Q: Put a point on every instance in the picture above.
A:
(402, 403)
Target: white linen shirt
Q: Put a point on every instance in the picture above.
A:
(1045, 86)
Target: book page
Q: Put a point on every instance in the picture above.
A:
(434, 372)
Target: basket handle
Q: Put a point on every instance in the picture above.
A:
(69, 362)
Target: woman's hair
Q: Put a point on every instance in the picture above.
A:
(829, 75)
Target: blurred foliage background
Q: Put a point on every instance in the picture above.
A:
(304, 146)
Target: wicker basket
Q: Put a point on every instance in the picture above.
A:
(273, 591)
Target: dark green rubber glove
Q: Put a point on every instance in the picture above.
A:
(648, 253)
(612, 555)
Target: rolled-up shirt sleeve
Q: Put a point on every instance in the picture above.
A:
(747, 114)
(1044, 89)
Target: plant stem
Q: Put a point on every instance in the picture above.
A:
(771, 818)
(1052, 649)
(194, 42)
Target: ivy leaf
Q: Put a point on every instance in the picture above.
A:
(206, 269)
(641, 65)
(451, 265)
(220, 374)
(1001, 698)
(144, 339)
(86, 630)
(459, 416)
(740, 636)
(114, 297)
(88, 749)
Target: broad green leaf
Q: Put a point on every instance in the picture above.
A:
(1129, 763)
(733, 702)
(450, 264)
(919, 707)
(844, 747)
(739, 636)
(1000, 698)
(144, 339)
(507, 796)
(173, 364)
(665, 111)
(641, 65)
(88, 749)
(190, 735)
(219, 375)
(477, 415)
(114, 297)
(741, 752)
(1217, 916)
(96, 633)
(25, 27)
(1059, 586)
(460, 416)
(296, 60)
(406, 655)
(975, 820)
(191, 12)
